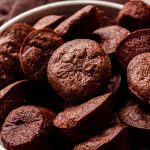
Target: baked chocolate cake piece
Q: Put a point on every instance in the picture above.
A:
(28, 128)
(36, 51)
(13, 96)
(79, 69)
(134, 44)
(105, 19)
(134, 15)
(80, 24)
(79, 122)
(138, 75)
(50, 21)
(137, 116)
(109, 37)
(10, 42)
(114, 138)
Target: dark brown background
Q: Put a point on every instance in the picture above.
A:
(11, 8)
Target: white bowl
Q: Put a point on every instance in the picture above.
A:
(64, 7)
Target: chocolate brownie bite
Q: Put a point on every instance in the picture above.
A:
(134, 44)
(12, 37)
(138, 75)
(104, 18)
(114, 138)
(109, 37)
(79, 122)
(8, 68)
(80, 24)
(10, 42)
(28, 127)
(78, 69)
(50, 21)
(137, 117)
(13, 96)
(36, 51)
(134, 15)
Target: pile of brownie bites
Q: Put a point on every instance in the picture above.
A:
(80, 83)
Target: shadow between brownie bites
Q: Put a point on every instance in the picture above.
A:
(36, 51)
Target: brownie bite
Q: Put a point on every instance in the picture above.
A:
(104, 18)
(114, 138)
(28, 127)
(13, 96)
(50, 21)
(134, 15)
(78, 69)
(138, 75)
(79, 122)
(137, 117)
(109, 37)
(10, 42)
(80, 24)
(134, 44)
(36, 51)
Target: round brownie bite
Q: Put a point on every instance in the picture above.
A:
(12, 37)
(113, 138)
(134, 44)
(13, 96)
(36, 51)
(78, 69)
(134, 15)
(104, 18)
(80, 24)
(28, 127)
(137, 117)
(138, 75)
(10, 42)
(109, 37)
(81, 121)
(50, 21)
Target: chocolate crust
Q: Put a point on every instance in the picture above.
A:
(28, 127)
(138, 75)
(78, 122)
(80, 24)
(112, 138)
(134, 44)
(134, 15)
(36, 51)
(50, 21)
(78, 69)
(109, 37)
(11, 97)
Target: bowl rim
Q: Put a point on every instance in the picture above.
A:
(58, 4)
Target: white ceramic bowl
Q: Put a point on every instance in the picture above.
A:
(64, 7)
